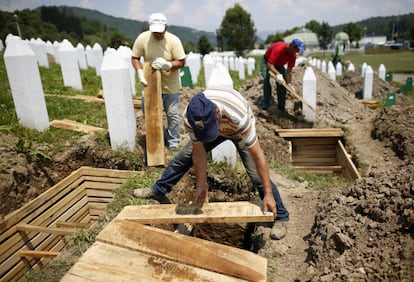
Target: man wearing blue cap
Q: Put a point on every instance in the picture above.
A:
(212, 117)
(275, 58)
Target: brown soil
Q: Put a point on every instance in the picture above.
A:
(363, 232)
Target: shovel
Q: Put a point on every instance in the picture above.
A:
(292, 91)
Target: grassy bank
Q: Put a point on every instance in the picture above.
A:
(394, 61)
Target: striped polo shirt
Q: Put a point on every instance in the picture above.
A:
(236, 119)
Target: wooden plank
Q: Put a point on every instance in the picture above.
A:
(313, 140)
(41, 229)
(76, 126)
(183, 249)
(345, 160)
(38, 254)
(99, 193)
(104, 172)
(154, 128)
(315, 160)
(102, 179)
(73, 225)
(218, 212)
(320, 169)
(100, 185)
(310, 132)
(134, 266)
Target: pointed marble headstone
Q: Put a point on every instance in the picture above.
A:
(118, 101)
(368, 81)
(309, 94)
(126, 54)
(382, 71)
(208, 63)
(25, 84)
(193, 61)
(69, 65)
(97, 57)
(81, 56)
(331, 70)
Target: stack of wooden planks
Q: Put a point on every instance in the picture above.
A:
(128, 250)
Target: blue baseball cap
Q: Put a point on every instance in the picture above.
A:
(298, 43)
(201, 114)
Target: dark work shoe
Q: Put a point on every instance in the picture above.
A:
(147, 193)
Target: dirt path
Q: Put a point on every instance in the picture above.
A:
(291, 251)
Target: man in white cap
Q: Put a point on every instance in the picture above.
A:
(165, 52)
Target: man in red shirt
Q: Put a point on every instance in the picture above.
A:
(276, 57)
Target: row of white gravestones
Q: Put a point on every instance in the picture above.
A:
(116, 84)
(25, 84)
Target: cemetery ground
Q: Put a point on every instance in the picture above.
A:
(338, 230)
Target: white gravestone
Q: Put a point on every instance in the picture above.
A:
(26, 85)
(126, 54)
(382, 72)
(69, 65)
(251, 62)
(89, 56)
(331, 70)
(226, 151)
(368, 81)
(338, 69)
(56, 46)
(323, 66)
(193, 61)
(241, 69)
(81, 56)
(208, 63)
(309, 94)
(118, 101)
(97, 57)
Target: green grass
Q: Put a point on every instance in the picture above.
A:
(394, 61)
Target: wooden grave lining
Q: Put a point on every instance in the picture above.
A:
(38, 226)
(319, 150)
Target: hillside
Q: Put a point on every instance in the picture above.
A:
(131, 28)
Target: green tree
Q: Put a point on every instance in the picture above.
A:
(313, 26)
(204, 45)
(237, 31)
(354, 31)
(325, 35)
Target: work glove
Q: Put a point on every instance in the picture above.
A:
(141, 77)
(280, 79)
(160, 63)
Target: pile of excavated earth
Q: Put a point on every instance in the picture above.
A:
(363, 232)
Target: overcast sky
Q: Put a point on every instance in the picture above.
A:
(206, 15)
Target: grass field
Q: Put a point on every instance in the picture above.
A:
(394, 62)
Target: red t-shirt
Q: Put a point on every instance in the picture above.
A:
(277, 56)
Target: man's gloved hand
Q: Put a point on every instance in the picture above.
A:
(280, 79)
(161, 63)
(141, 77)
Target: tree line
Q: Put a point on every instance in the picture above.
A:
(236, 33)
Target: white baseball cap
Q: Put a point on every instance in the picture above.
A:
(157, 22)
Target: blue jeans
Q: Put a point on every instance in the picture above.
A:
(280, 90)
(171, 106)
(182, 162)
